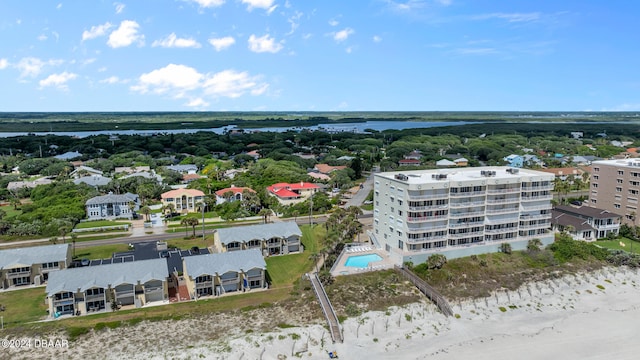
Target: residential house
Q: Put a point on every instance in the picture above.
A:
(183, 168)
(83, 170)
(461, 162)
(16, 185)
(111, 206)
(319, 176)
(188, 178)
(254, 154)
(271, 239)
(327, 169)
(235, 194)
(93, 180)
(145, 174)
(292, 193)
(564, 173)
(408, 162)
(184, 200)
(88, 289)
(445, 163)
(414, 155)
(514, 160)
(131, 169)
(69, 155)
(222, 273)
(585, 223)
(32, 265)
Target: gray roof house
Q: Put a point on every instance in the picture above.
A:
(93, 180)
(183, 168)
(216, 274)
(273, 239)
(585, 223)
(112, 206)
(83, 290)
(84, 170)
(69, 155)
(32, 265)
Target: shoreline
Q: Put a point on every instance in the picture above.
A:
(588, 316)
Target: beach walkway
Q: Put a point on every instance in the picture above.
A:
(427, 290)
(327, 308)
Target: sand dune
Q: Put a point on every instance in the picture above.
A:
(591, 316)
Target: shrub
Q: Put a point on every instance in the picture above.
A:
(74, 332)
(436, 261)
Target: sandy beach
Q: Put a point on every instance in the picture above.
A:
(589, 316)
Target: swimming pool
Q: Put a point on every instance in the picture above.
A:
(362, 261)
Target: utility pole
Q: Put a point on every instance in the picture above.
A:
(202, 205)
(310, 208)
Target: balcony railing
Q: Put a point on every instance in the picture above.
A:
(13, 275)
(503, 191)
(427, 207)
(124, 293)
(536, 197)
(466, 204)
(502, 211)
(467, 234)
(537, 188)
(503, 201)
(427, 238)
(431, 228)
(229, 281)
(204, 284)
(60, 302)
(500, 231)
(467, 193)
(94, 297)
(466, 214)
(426, 218)
(466, 224)
(524, 207)
(534, 226)
(535, 217)
(428, 196)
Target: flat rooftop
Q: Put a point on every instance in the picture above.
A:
(626, 163)
(462, 174)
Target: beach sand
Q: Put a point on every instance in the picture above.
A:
(588, 316)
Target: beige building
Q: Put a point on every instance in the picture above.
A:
(183, 200)
(271, 239)
(615, 186)
(32, 265)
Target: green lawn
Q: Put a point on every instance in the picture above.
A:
(630, 246)
(100, 251)
(286, 269)
(23, 306)
(10, 211)
(100, 223)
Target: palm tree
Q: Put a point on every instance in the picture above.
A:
(190, 221)
(295, 214)
(265, 213)
(74, 237)
(146, 211)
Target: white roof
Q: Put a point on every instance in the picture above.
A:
(11, 258)
(220, 263)
(104, 276)
(464, 174)
(258, 232)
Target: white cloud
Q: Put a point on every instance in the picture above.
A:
(208, 3)
(377, 38)
(119, 7)
(624, 107)
(31, 67)
(59, 6)
(125, 35)
(102, 69)
(111, 80)
(343, 35)
(222, 43)
(264, 44)
(42, 37)
(260, 4)
(58, 80)
(511, 17)
(475, 51)
(172, 41)
(172, 77)
(88, 61)
(334, 22)
(180, 81)
(233, 84)
(197, 103)
(293, 20)
(3, 64)
(95, 31)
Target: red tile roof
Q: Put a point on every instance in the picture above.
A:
(179, 192)
(286, 190)
(326, 169)
(234, 190)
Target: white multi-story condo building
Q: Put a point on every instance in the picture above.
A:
(460, 212)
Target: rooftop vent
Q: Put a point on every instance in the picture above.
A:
(487, 173)
(439, 176)
(513, 171)
(401, 177)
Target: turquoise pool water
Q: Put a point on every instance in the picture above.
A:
(362, 261)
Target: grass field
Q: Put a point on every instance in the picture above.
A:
(23, 305)
(10, 211)
(285, 270)
(100, 223)
(100, 251)
(629, 245)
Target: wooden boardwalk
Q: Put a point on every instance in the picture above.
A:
(426, 289)
(327, 308)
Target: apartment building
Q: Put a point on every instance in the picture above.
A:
(460, 212)
(615, 186)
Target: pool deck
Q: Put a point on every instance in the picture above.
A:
(360, 249)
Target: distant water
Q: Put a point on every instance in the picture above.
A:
(359, 127)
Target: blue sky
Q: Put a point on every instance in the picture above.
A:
(329, 55)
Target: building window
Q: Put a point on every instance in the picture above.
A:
(618, 189)
(596, 169)
(619, 181)
(617, 206)
(620, 172)
(400, 245)
(595, 177)
(595, 185)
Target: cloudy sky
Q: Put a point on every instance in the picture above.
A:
(328, 55)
